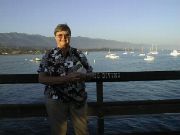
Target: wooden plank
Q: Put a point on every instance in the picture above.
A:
(22, 110)
(108, 108)
(99, 92)
(136, 76)
(152, 133)
(100, 77)
(18, 78)
(99, 96)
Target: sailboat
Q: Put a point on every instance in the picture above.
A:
(132, 51)
(175, 53)
(86, 52)
(36, 59)
(125, 52)
(142, 52)
(149, 58)
(153, 51)
(112, 55)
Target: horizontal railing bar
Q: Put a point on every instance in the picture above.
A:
(170, 132)
(100, 77)
(136, 76)
(18, 78)
(108, 108)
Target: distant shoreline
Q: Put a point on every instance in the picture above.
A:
(36, 51)
(18, 51)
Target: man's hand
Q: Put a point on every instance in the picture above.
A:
(89, 76)
(76, 77)
(79, 77)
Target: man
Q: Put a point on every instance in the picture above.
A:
(63, 70)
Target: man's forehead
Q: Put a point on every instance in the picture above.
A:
(62, 32)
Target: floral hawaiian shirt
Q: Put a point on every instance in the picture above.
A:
(55, 64)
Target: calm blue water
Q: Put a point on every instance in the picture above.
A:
(33, 93)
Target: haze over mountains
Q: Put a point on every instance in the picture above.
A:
(15, 39)
(39, 41)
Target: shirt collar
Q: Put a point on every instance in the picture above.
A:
(69, 53)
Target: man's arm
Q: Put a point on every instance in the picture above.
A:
(44, 78)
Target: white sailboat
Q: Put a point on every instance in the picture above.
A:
(132, 51)
(149, 58)
(86, 52)
(112, 55)
(125, 52)
(153, 50)
(35, 59)
(142, 52)
(175, 53)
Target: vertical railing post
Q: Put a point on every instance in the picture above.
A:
(100, 121)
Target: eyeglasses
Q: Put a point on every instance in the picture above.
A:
(63, 35)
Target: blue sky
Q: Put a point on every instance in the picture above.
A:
(136, 21)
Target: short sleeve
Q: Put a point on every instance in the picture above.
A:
(85, 62)
(43, 64)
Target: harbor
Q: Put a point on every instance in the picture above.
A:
(136, 96)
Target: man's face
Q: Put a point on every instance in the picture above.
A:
(62, 39)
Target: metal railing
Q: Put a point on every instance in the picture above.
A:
(98, 108)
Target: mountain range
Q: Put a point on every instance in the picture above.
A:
(24, 40)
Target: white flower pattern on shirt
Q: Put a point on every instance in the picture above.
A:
(55, 64)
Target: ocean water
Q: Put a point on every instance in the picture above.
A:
(117, 91)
